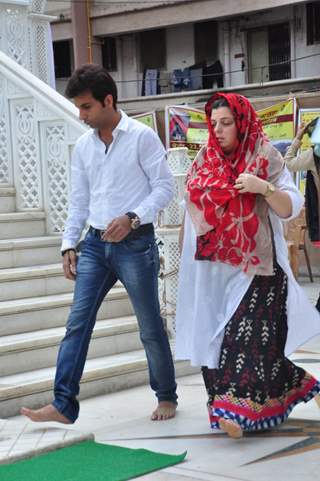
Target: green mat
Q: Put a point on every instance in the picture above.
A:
(88, 461)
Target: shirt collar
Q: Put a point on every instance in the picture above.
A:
(124, 122)
(122, 125)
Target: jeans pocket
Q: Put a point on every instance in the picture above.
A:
(141, 245)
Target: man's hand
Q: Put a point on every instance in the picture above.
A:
(70, 264)
(251, 183)
(117, 230)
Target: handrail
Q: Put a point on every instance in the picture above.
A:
(39, 90)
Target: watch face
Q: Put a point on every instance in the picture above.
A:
(134, 220)
(270, 189)
(135, 223)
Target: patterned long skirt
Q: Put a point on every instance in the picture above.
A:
(255, 385)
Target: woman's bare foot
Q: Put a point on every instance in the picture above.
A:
(165, 410)
(47, 413)
(231, 428)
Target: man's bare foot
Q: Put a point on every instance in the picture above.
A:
(165, 410)
(231, 428)
(47, 413)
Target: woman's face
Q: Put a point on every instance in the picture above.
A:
(225, 129)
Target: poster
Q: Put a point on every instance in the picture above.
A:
(278, 122)
(149, 119)
(186, 127)
(305, 115)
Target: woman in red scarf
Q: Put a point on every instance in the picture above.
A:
(235, 285)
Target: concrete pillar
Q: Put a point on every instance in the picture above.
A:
(81, 32)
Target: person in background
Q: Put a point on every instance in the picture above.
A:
(308, 160)
(119, 181)
(240, 312)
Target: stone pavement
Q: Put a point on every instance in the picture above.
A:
(20, 439)
(289, 452)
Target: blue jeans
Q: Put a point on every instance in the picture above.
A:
(135, 263)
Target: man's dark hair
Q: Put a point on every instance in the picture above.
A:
(95, 79)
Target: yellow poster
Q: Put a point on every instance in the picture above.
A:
(148, 119)
(279, 123)
(305, 116)
(186, 127)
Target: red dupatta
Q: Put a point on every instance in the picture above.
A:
(231, 227)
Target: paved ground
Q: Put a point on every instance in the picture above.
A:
(291, 452)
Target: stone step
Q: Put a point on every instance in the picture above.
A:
(34, 350)
(36, 313)
(101, 376)
(29, 251)
(7, 199)
(22, 224)
(33, 281)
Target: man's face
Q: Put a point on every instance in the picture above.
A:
(92, 112)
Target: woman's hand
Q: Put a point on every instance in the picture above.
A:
(301, 130)
(251, 183)
(279, 201)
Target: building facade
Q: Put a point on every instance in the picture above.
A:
(160, 47)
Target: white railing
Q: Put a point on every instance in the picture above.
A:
(168, 232)
(38, 128)
(26, 36)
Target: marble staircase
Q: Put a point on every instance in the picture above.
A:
(35, 299)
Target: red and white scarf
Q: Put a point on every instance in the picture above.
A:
(231, 227)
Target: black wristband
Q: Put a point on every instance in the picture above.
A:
(66, 250)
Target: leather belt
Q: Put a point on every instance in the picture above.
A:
(134, 234)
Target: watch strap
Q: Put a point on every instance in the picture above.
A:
(270, 190)
(69, 249)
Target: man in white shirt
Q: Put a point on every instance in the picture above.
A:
(119, 182)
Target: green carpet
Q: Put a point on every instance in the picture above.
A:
(88, 461)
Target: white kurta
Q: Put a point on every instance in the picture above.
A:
(210, 292)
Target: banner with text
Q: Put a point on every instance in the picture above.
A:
(186, 127)
(305, 116)
(149, 119)
(279, 123)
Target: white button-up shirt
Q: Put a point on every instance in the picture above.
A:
(131, 175)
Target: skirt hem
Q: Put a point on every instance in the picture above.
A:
(264, 422)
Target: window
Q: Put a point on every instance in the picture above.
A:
(269, 53)
(279, 51)
(62, 54)
(153, 49)
(205, 41)
(313, 22)
(109, 53)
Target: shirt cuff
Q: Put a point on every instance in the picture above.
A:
(143, 215)
(67, 244)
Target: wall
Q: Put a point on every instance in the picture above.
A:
(308, 66)
(238, 45)
(180, 54)
(127, 65)
(180, 46)
(174, 14)
(232, 44)
(238, 37)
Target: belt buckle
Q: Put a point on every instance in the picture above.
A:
(101, 234)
